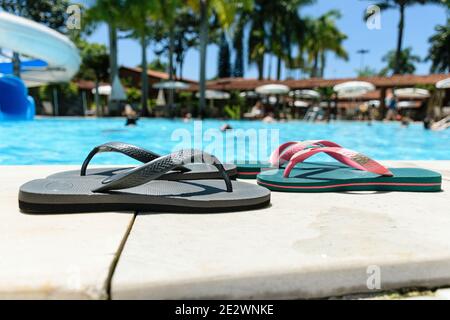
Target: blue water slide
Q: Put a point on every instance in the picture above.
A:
(55, 59)
(15, 104)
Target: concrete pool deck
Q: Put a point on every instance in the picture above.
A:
(302, 246)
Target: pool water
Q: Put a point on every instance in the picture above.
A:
(68, 141)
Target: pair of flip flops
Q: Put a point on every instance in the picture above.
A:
(184, 181)
(288, 171)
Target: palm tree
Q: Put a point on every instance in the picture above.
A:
(257, 42)
(111, 12)
(400, 65)
(270, 34)
(95, 62)
(283, 35)
(439, 52)
(167, 11)
(136, 18)
(323, 36)
(225, 10)
(401, 5)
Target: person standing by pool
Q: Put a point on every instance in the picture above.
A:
(391, 103)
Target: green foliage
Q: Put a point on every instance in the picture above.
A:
(158, 65)
(224, 64)
(133, 95)
(322, 36)
(326, 92)
(51, 13)
(94, 61)
(66, 90)
(367, 72)
(439, 53)
(233, 111)
(405, 65)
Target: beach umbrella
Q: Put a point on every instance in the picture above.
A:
(306, 94)
(174, 85)
(103, 90)
(271, 89)
(301, 104)
(248, 94)
(375, 103)
(212, 95)
(117, 92)
(443, 84)
(353, 89)
(407, 104)
(411, 93)
(215, 95)
(161, 99)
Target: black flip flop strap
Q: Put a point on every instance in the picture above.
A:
(156, 168)
(127, 149)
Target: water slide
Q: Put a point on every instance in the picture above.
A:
(57, 60)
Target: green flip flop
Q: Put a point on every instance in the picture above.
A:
(360, 174)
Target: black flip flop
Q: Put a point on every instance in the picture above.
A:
(191, 171)
(138, 189)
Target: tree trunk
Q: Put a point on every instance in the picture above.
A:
(55, 101)
(144, 78)
(322, 64)
(315, 68)
(16, 64)
(401, 26)
(98, 107)
(180, 68)
(261, 68)
(171, 50)
(203, 46)
(113, 105)
(278, 68)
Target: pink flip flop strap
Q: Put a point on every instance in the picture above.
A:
(349, 157)
(286, 150)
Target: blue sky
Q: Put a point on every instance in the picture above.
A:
(419, 26)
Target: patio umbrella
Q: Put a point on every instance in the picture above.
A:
(306, 94)
(161, 99)
(117, 92)
(215, 95)
(271, 89)
(443, 84)
(248, 94)
(411, 93)
(212, 95)
(353, 89)
(104, 90)
(301, 104)
(175, 85)
(375, 103)
(407, 104)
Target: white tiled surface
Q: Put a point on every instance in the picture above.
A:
(303, 246)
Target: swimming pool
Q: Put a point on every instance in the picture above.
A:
(68, 140)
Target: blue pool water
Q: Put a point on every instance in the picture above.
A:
(67, 141)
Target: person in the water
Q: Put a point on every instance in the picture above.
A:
(131, 116)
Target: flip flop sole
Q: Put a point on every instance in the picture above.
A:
(198, 171)
(322, 179)
(189, 196)
(251, 170)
